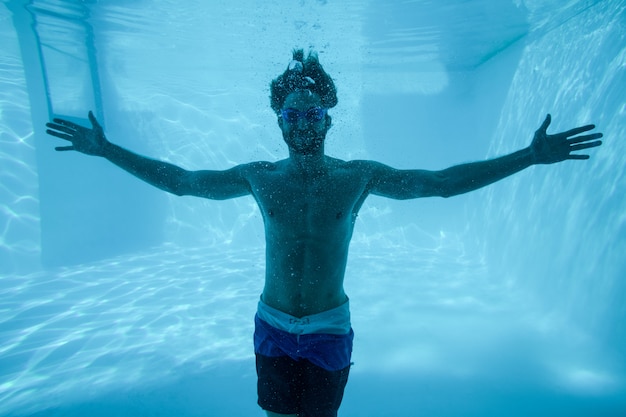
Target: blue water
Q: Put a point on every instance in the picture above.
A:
(116, 299)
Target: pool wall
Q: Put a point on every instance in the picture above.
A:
(559, 231)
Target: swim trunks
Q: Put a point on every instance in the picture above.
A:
(302, 370)
(333, 321)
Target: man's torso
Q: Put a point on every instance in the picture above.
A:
(309, 219)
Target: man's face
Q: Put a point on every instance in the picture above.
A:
(304, 122)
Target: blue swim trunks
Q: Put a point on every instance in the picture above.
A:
(302, 363)
(324, 339)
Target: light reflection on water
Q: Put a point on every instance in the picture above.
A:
(153, 317)
(19, 204)
(130, 321)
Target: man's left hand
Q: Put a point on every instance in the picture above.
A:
(548, 149)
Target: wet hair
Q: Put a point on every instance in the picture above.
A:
(303, 74)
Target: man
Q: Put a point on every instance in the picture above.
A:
(309, 203)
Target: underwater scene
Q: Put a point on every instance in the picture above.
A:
(120, 299)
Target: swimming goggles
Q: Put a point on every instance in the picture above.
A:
(314, 114)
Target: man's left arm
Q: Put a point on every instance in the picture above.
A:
(459, 179)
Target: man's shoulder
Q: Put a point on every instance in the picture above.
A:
(254, 171)
(360, 170)
(362, 165)
(259, 166)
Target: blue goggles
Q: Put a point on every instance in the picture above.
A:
(314, 114)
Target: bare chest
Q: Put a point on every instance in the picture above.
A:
(306, 203)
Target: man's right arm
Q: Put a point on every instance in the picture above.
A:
(217, 185)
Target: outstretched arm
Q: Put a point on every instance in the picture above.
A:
(459, 179)
(209, 184)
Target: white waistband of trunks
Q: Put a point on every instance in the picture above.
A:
(334, 321)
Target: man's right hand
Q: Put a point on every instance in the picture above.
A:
(548, 149)
(85, 140)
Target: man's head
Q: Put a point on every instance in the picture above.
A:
(303, 74)
(301, 97)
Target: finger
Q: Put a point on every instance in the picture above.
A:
(64, 122)
(61, 128)
(585, 138)
(65, 148)
(93, 120)
(580, 157)
(585, 146)
(578, 130)
(546, 123)
(59, 134)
